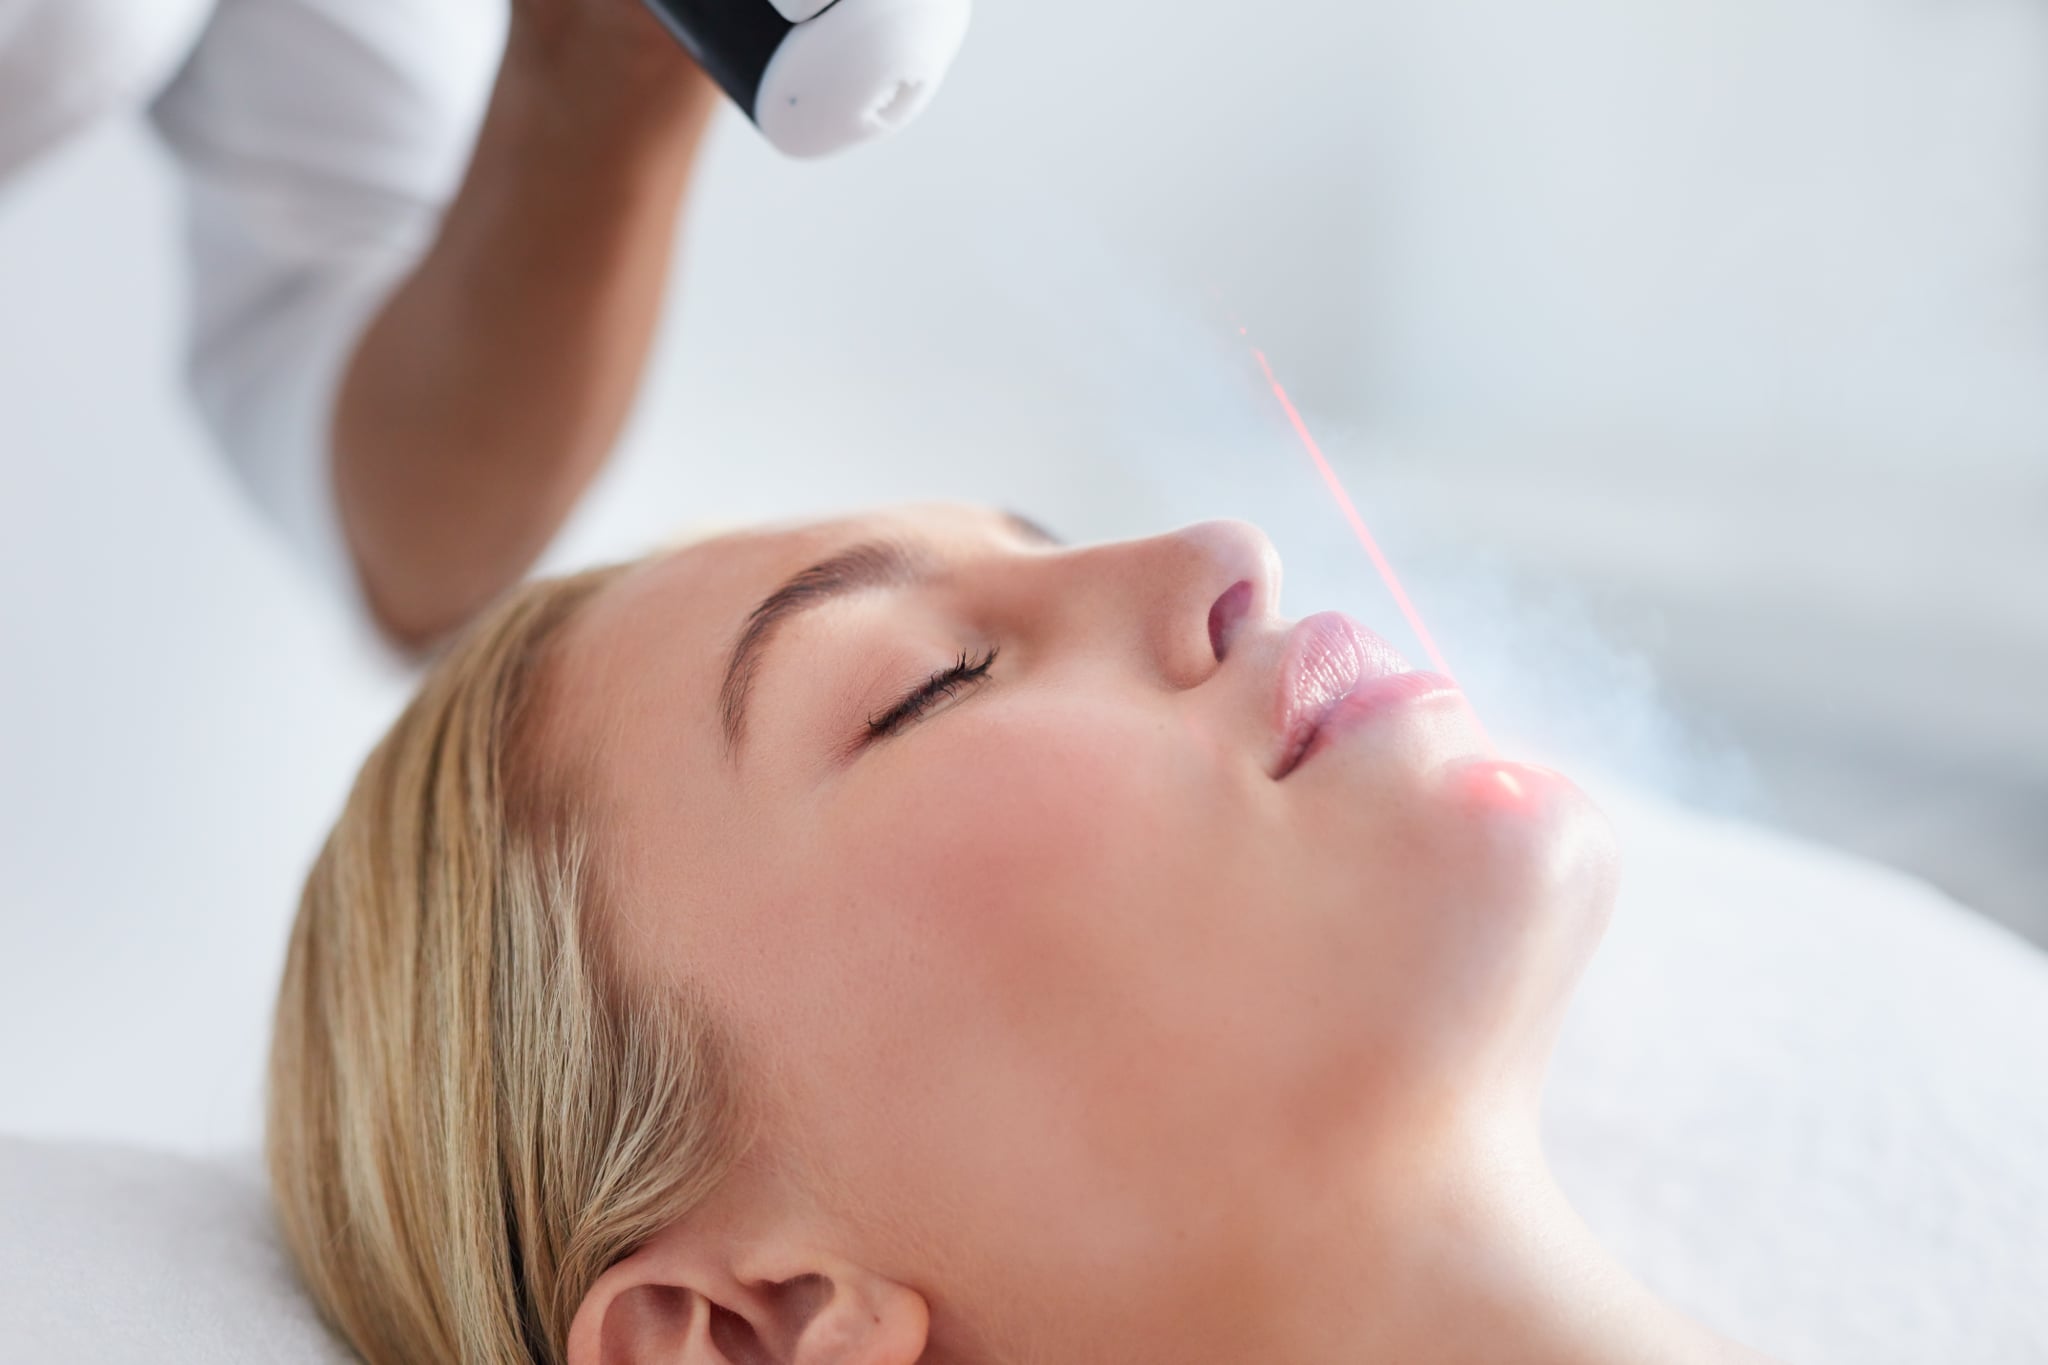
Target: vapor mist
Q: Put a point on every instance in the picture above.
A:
(1187, 419)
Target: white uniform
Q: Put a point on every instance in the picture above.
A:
(318, 141)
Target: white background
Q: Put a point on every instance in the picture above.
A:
(1717, 332)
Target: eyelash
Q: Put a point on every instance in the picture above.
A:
(944, 684)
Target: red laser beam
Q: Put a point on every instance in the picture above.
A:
(1358, 526)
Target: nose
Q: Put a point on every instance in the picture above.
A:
(1207, 582)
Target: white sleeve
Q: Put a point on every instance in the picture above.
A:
(319, 142)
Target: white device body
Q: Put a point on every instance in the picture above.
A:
(819, 76)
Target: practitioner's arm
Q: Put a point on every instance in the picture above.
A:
(487, 392)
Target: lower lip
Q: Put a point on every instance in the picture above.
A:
(1376, 697)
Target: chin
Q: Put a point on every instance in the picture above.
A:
(1465, 899)
(1540, 849)
(1531, 866)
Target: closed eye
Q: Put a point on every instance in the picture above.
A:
(942, 686)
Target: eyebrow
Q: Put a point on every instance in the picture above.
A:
(869, 565)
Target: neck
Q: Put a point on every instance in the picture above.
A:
(1483, 1261)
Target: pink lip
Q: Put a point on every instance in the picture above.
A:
(1336, 672)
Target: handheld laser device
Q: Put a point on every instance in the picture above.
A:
(818, 76)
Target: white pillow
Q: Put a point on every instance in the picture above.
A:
(1803, 1098)
(1806, 1099)
(111, 1256)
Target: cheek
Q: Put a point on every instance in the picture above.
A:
(1029, 848)
(1029, 955)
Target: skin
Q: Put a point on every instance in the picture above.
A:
(489, 390)
(1075, 1035)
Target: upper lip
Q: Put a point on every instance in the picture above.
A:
(1325, 659)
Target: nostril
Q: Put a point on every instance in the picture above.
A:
(1228, 615)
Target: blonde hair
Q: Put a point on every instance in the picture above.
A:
(470, 1119)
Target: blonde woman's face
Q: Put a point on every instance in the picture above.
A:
(1059, 975)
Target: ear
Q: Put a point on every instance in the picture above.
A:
(670, 1304)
